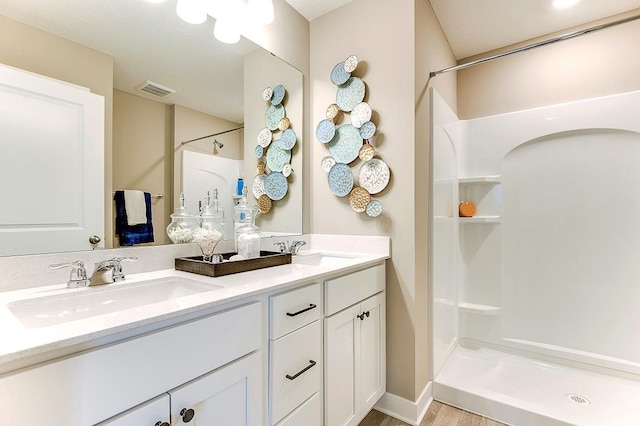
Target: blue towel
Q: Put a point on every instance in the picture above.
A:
(132, 234)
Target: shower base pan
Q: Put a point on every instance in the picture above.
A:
(527, 392)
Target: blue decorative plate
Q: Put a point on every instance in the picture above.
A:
(350, 94)
(325, 131)
(340, 179)
(345, 145)
(276, 186)
(288, 139)
(278, 95)
(277, 157)
(272, 117)
(367, 130)
(339, 75)
(374, 208)
(259, 151)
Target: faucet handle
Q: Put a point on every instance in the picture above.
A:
(116, 263)
(78, 275)
(282, 246)
(295, 246)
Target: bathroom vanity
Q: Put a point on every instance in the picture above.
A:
(289, 345)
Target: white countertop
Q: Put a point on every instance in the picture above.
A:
(20, 342)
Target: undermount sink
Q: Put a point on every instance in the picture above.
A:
(95, 301)
(322, 259)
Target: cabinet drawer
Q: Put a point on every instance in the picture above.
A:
(294, 309)
(295, 369)
(308, 414)
(345, 291)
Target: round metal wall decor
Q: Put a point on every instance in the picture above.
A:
(349, 143)
(273, 151)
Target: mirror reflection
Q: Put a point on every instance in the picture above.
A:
(116, 47)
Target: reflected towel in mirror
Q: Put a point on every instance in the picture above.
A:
(129, 235)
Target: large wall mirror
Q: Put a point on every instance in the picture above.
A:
(113, 47)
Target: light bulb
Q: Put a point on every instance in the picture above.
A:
(564, 4)
(226, 31)
(192, 11)
(261, 11)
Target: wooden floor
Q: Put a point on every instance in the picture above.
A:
(439, 414)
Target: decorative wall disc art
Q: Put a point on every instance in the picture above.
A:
(339, 75)
(340, 179)
(350, 94)
(264, 137)
(275, 142)
(276, 186)
(350, 142)
(258, 185)
(374, 175)
(272, 117)
(346, 143)
(327, 163)
(325, 131)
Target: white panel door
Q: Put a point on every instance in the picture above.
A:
(341, 389)
(229, 396)
(372, 351)
(52, 164)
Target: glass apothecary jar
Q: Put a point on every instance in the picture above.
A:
(248, 239)
(183, 224)
(210, 231)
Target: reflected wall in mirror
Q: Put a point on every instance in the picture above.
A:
(113, 46)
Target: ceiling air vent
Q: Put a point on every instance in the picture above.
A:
(155, 89)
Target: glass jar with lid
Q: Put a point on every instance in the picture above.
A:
(183, 224)
(210, 231)
(248, 238)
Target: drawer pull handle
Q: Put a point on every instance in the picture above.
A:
(295, 376)
(187, 414)
(311, 306)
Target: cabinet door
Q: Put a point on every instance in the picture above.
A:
(372, 351)
(150, 413)
(229, 396)
(342, 341)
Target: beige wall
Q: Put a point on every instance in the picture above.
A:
(261, 69)
(597, 64)
(141, 138)
(288, 38)
(398, 43)
(34, 50)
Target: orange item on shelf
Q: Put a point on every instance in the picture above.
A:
(466, 209)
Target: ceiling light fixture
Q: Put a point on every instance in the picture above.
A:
(564, 4)
(230, 15)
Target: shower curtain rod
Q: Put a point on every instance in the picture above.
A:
(215, 134)
(535, 45)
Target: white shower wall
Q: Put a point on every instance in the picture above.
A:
(547, 270)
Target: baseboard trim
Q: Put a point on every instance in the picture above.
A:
(405, 410)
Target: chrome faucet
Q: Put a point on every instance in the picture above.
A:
(290, 246)
(105, 272)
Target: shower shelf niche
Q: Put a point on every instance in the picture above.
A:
(475, 308)
(479, 179)
(481, 219)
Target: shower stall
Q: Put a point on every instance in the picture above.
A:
(536, 298)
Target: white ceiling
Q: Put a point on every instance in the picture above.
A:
(477, 26)
(148, 42)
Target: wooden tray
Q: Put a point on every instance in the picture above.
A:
(196, 265)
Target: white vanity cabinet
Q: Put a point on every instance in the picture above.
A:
(92, 386)
(295, 357)
(354, 345)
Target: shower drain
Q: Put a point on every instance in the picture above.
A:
(578, 399)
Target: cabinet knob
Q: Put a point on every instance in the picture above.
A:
(187, 414)
(162, 424)
(362, 315)
(94, 239)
